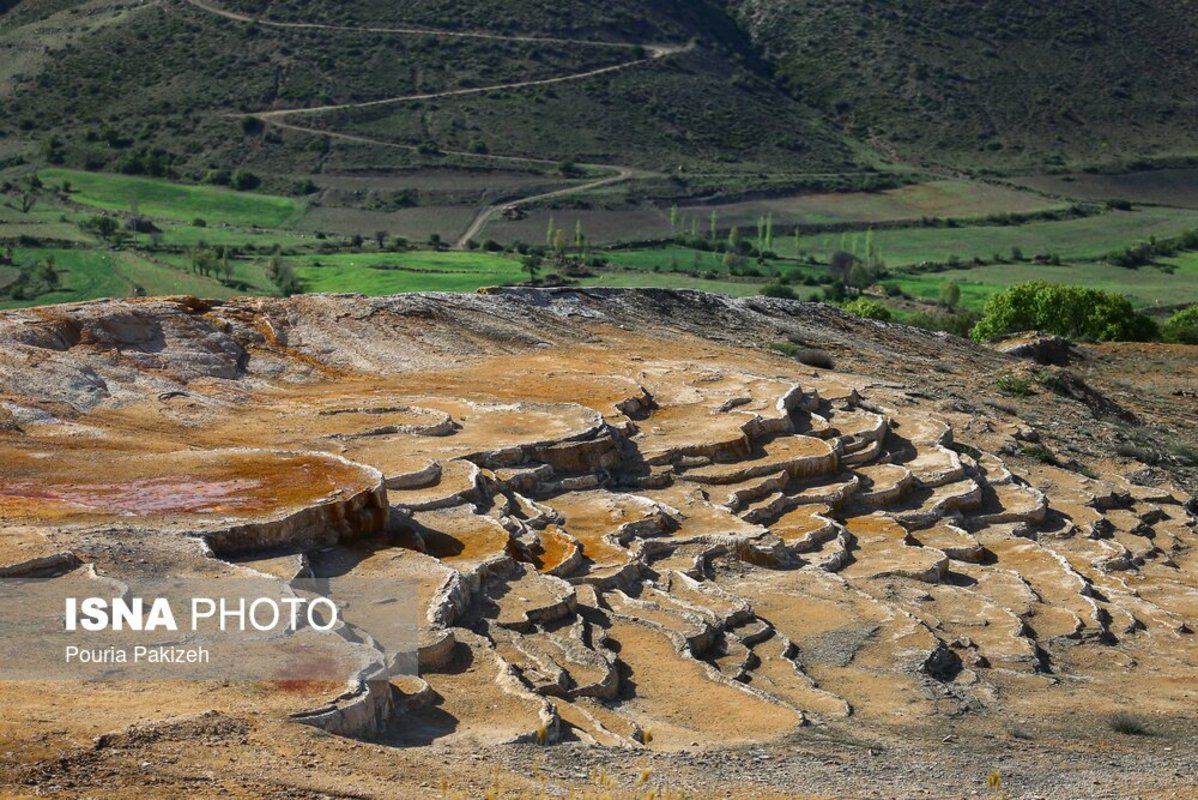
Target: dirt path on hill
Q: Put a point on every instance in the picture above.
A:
(488, 213)
(238, 17)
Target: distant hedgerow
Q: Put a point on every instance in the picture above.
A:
(779, 290)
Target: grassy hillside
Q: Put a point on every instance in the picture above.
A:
(162, 88)
(160, 199)
(298, 145)
(52, 251)
(993, 83)
(768, 86)
(613, 20)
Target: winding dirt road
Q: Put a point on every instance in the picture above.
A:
(233, 15)
(498, 87)
(490, 212)
(483, 218)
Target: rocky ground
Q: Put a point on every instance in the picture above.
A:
(660, 542)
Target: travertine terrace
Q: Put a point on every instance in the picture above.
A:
(626, 518)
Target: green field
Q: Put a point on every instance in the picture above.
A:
(163, 199)
(1082, 238)
(666, 280)
(670, 258)
(90, 274)
(191, 236)
(83, 275)
(945, 199)
(162, 264)
(676, 262)
(1147, 287)
(957, 199)
(8, 275)
(466, 272)
(43, 221)
(406, 272)
(166, 274)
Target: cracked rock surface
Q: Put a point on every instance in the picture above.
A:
(629, 524)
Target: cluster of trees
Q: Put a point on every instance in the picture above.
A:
(1071, 311)
(1079, 313)
(153, 161)
(559, 243)
(953, 261)
(27, 191)
(1142, 254)
(107, 228)
(218, 262)
(242, 180)
(34, 279)
(686, 231)
(211, 262)
(283, 276)
(869, 309)
(568, 252)
(1182, 327)
(114, 232)
(52, 150)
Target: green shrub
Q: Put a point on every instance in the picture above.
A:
(1070, 311)
(950, 294)
(869, 309)
(1182, 327)
(1185, 453)
(785, 348)
(1014, 385)
(1041, 453)
(1127, 724)
(102, 226)
(1137, 453)
(958, 323)
(244, 180)
(778, 290)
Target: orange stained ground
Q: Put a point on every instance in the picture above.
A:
(192, 483)
(554, 546)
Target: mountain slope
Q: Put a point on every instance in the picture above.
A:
(993, 83)
(746, 89)
(161, 88)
